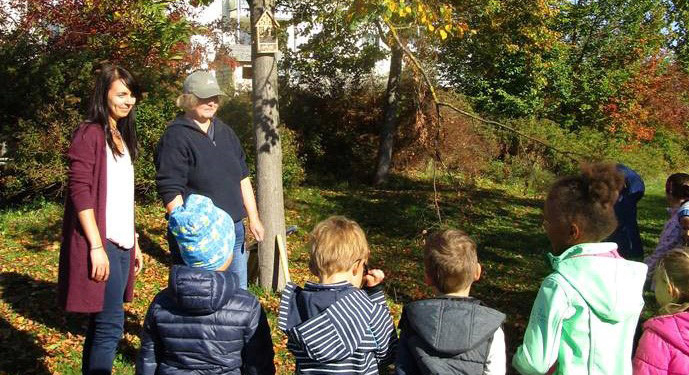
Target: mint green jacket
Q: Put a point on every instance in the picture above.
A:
(585, 314)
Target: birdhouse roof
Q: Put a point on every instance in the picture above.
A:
(267, 17)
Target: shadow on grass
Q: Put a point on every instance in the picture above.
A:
(37, 300)
(153, 249)
(20, 354)
(653, 214)
(38, 236)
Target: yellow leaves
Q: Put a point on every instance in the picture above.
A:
(404, 10)
(438, 19)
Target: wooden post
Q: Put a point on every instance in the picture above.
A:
(268, 155)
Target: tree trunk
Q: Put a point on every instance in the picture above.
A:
(387, 132)
(268, 156)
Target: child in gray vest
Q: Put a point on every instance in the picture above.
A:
(451, 333)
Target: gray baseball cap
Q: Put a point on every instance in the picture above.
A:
(202, 84)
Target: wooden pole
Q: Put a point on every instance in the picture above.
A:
(268, 154)
(284, 266)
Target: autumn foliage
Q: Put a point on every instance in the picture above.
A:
(655, 97)
(123, 31)
(49, 51)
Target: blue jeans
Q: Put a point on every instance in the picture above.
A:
(240, 256)
(106, 327)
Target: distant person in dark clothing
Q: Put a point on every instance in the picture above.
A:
(627, 234)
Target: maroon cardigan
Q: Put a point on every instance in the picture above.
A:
(87, 189)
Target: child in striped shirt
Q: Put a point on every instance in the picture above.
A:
(340, 324)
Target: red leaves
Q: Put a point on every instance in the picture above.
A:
(120, 31)
(655, 97)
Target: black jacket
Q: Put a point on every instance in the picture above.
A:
(446, 335)
(189, 161)
(204, 324)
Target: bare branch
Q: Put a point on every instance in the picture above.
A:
(511, 129)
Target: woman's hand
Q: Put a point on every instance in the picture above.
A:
(174, 203)
(100, 266)
(256, 228)
(138, 257)
(255, 225)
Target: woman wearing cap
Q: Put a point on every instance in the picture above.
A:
(100, 255)
(200, 154)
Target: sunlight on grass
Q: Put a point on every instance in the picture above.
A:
(35, 337)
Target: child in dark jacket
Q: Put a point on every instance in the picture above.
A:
(333, 326)
(451, 333)
(203, 323)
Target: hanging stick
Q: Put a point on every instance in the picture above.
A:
(283, 259)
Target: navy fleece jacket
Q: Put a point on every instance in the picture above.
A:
(189, 161)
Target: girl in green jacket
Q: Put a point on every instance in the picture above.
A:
(586, 311)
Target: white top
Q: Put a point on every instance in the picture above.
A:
(496, 362)
(119, 205)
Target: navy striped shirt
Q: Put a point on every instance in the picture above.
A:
(337, 328)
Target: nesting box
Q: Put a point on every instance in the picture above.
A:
(266, 33)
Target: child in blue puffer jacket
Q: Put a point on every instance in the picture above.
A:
(203, 323)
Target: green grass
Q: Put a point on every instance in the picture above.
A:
(36, 337)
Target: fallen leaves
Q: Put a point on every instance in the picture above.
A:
(36, 337)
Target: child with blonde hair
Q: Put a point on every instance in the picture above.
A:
(664, 345)
(340, 324)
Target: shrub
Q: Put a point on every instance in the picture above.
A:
(338, 135)
(38, 153)
(463, 146)
(654, 98)
(152, 117)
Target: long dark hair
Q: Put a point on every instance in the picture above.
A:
(98, 107)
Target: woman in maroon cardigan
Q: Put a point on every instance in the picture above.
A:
(100, 255)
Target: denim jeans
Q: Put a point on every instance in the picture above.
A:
(241, 257)
(106, 327)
